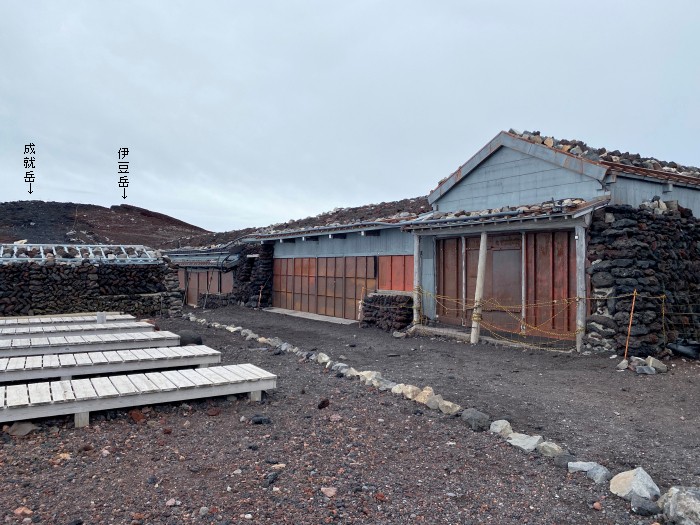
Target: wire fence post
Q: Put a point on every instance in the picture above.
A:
(629, 327)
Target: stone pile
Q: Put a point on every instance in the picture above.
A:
(252, 281)
(388, 312)
(654, 250)
(49, 287)
(581, 149)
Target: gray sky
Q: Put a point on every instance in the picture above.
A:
(249, 113)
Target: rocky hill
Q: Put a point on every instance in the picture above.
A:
(369, 212)
(67, 222)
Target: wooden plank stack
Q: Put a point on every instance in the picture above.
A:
(123, 369)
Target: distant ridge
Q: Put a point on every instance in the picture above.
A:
(68, 222)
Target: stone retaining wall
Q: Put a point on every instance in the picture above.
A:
(35, 288)
(388, 312)
(655, 250)
(252, 281)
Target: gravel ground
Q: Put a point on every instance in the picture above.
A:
(388, 461)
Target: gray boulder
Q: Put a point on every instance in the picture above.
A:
(477, 421)
(634, 482)
(681, 505)
(188, 337)
(524, 442)
(644, 507)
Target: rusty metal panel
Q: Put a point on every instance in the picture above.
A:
(408, 273)
(351, 267)
(385, 272)
(397, 271)
(361, 267)
(202, 282)
(551, 278)
(449, 306)
(192, 288)
(227, 282)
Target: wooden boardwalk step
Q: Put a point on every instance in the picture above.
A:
(81, 396)
(24, 331)
(52, 320)
(31, 368)
(85, 343)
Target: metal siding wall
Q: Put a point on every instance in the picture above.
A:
(428, 275)
(389, 242)
(634, 192)
(509, 178)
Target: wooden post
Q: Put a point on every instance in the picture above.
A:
(82, 419)
(255, 396)
(479, 292)
(580, 233)
(416, 280)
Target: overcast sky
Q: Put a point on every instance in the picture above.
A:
(249, 113)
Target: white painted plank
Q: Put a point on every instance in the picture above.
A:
(39, 341)
(177, 379)
(20, 343)
(75, 340)
(68, 391)
(58, 341)
(141, 355)
(59, 393)
(195, 377)
(83, 359)
(3, 363)
(232, 376)
(141, 382)
(17, 396)
(16, 363)
(158, 379)
(83, 389)
(67, 359)
(155, 353)
(5, 343)
(39, 393)
(213, 376)
(112, 357)
(104, 387)
(255, 371)
(123, 385)
(92, 339)
(126, 355)
(33, 362)
(51, 361)
(2, 397)
(97, 358)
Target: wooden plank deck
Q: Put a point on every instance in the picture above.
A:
(21, 331)
(81, 396)
(87, 343)
(93, 363)
(53, 320)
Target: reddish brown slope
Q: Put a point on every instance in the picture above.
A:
(67, 222)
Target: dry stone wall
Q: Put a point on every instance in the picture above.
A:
(252, 281)
(656, 251)
(388, 312)
(35, 288)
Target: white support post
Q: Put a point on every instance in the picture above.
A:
(417, 297)
(479, 292)
(82, 419)
(580, 233)
(256, 396)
